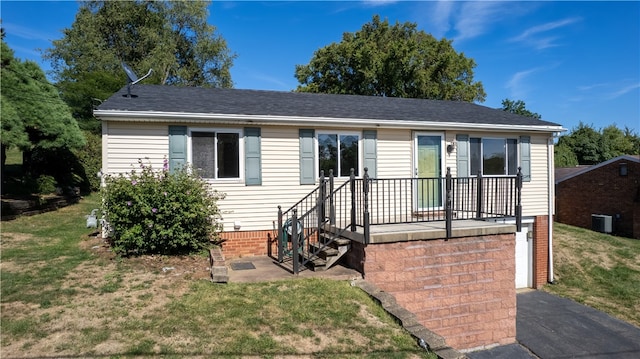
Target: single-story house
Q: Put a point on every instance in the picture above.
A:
(604, 197)
(268, 150)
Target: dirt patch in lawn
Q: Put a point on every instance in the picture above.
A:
(107, 293)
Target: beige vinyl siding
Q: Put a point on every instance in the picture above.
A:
(450, 158)
(394, 157)
(126, 143)
(535, 200)
(256, 207)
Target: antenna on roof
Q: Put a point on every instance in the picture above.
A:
(133, 78)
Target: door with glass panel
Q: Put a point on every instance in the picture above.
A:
(428, 171)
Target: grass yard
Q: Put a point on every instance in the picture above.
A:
(64, 294)
(599, 270)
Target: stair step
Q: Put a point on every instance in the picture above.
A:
(354, 236)
(325, 252)
(339, 241)
(317, 263)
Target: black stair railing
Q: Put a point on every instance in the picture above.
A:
(301, 222)
(325, 214)
(358, 203)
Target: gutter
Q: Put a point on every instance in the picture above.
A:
(154, 116)
(551, 204)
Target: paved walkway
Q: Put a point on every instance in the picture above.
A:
(551, 327)
(264, 268)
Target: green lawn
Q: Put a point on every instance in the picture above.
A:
(64, 294)
(599, 270)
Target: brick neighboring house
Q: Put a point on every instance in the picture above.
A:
(610, 188)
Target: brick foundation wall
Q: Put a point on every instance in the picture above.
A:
(247, 243)
(540, 251)
(462, 289)
(601, 191)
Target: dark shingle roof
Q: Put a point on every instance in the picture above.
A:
(561, 173)
(565, 173)
(156, 98)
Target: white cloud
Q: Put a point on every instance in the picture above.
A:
(460, 20)
(624, 90)
(475, 18)
(535, 36)
(26, 32)
(440, 18)
(609, 90)
(517, 86)
(593, 86)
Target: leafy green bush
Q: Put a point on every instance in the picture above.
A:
(46, 184)
(158, 212)
(90, 159)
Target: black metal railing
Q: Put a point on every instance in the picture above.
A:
(358, 203)
(301, 223)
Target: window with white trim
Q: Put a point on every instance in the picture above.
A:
(493, 156)
(339, 152)
(216, 154)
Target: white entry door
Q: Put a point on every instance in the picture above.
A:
(524, 258)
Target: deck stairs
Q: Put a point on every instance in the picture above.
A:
(318, 230)
(326, 252)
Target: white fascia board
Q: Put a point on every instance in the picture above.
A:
(152, 116)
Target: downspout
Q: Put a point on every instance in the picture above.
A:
(104, 170)
(551, 204)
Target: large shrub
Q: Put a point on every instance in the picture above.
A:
(150, 211)
(90, 159)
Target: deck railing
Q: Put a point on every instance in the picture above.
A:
(358, 203)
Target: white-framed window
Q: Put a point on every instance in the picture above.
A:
(493, 156)
(216, 153)
(339, 151)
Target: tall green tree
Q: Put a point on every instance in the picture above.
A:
(171, 37)
(34, 117)
(585, 145)
(584, 141)
(394, 61)
(564, 156)
(615, 142)
(519, 108)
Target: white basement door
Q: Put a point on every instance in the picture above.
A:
(524, 259)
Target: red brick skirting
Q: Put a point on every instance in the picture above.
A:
(540, 251)
(246, 243)
(462, 289)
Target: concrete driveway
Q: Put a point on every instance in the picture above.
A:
(550, 327)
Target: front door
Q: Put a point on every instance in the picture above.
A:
(428, 171)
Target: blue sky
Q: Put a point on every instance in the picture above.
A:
(569, 61)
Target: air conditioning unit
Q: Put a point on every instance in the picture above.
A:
(601, 223)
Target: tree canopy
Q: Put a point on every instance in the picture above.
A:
(587, 146)
(171, 37)
(394, 61)
(33, 114)
(519, 108)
